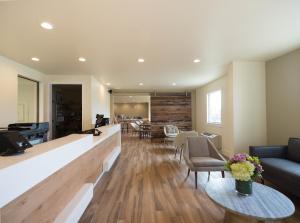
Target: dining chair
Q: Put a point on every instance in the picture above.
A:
(135, 128)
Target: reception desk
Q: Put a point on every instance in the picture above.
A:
(54, 181)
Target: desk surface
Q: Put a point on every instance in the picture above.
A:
(6, 161)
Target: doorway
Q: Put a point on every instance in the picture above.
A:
(28, 100)
(66, 110)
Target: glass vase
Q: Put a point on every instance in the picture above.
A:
(243, 187)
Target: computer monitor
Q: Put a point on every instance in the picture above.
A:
(101, 121)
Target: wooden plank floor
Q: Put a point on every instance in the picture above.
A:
(148, 185)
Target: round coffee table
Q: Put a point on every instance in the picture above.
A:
(265, 204)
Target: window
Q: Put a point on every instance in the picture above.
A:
(28, 100)
(214, 104)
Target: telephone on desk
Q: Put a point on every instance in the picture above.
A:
(95, 132)
(100, 121)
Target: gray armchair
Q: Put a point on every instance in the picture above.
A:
(201, 156)
(180, 141)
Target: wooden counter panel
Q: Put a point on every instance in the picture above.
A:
(46, 200)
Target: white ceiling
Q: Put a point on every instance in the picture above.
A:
(168, 34)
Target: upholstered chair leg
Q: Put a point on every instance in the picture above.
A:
(189, 172)
(208, 176)
(196, 180)
(223, 174)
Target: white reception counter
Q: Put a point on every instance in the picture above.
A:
(22, 175)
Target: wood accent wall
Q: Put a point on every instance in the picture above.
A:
(170, 108)
(46, 200)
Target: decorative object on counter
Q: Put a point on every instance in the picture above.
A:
(244, 169)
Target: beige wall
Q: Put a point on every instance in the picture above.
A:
(132, 109)
(249, 95)
(243, 107)
(100, 99)
(226, 128)
(95, 96)
(9, 71)
(283, 93)
(129, 98)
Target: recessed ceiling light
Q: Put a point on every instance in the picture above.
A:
(46, 25)
(196, 61)
(108, 84)
(35, 59)
(174, 84)
(130, 96)
(81, 59)
(141, 60)
(141, 84)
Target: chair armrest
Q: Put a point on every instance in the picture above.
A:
(268, 151)
(214, 152)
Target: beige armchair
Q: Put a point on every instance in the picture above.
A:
(201, 155)
(180, 141)
(170, 131)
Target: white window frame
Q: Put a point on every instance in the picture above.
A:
(208, 106)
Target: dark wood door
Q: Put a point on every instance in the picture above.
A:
(66, 110)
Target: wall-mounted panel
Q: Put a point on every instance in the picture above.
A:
(170, 108)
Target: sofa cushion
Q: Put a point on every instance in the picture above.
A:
(283, 173)
(206, 162)
(281, 168)
(294, 150)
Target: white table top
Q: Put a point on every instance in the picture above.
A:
(265, 203)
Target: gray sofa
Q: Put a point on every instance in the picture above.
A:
(281, 164)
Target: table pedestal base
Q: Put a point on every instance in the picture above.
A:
(235, 218)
